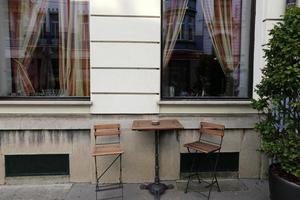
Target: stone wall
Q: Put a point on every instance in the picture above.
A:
(71, 134)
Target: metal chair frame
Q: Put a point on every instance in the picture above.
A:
(207, 128)
(110, 186)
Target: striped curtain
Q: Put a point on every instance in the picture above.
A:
(26, 18)
(224, 31)
(73, 48)
(174, 12)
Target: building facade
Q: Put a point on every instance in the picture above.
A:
(108, 61)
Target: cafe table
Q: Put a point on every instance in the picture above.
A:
(156, 126)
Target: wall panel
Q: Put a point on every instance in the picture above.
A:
(124, 81)
(124, 29)
(124, 103)
(125, 7)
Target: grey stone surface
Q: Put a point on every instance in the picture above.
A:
(243, 189)
(35, 192)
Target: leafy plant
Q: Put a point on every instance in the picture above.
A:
(279, 94)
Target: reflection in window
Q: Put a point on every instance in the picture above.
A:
(44, 48)
(206, 48)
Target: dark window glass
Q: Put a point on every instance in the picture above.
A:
(206, 48)
(44, 48)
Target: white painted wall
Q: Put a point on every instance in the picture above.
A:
(268, 13)
(5, 70)
(125, 52)
(125, 7)
(129, 29)
(125, 56)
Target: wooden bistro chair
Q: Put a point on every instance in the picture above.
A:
(209, 144)
(104, 132)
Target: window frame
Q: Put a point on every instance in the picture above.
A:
(250, 72)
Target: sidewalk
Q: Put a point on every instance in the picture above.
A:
(244, 189)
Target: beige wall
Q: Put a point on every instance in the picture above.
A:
(45, 134)
(76, 143)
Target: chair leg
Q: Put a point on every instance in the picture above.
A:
(190, 175)
(215, 169)
(98, 187)
(214, 179)
(96, 174)
(121, 176)
(187, 184)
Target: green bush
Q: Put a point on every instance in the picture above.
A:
(279, 94)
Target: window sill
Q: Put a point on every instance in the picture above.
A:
(207, 107)
(228, 103)
(47, 103)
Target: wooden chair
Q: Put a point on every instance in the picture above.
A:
(105, 131)
(215, 133)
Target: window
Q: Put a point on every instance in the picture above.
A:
(44, 48)
(206, 48)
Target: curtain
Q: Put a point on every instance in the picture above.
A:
(73, 48)
(224, 31)
(26, 18)
(174, 12)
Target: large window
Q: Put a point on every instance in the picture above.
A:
(44, 48)
(206, 48)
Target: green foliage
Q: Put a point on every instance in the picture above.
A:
(279, 94)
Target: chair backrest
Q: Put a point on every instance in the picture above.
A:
(107, 130)
(212, 129)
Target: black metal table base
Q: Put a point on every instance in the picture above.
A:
(156, 188)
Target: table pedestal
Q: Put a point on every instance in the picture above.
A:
(156, 188)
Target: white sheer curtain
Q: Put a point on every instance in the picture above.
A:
(174, 15)
(224, 31)
(219, 19)
(26, 18)
(73, 49)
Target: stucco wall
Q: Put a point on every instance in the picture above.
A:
(75, 143)
(44, 134)
(125, 56)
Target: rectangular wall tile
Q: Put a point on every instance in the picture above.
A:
(124, 29)
(125, 55)
(124, 103)
(125, 7)
(125, 80)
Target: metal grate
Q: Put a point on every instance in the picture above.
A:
(228, 162)
(36, 165)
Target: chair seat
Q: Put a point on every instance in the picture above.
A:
(202, 147)
(107, 149)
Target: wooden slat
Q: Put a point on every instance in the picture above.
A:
(107, 126)
(202, 147)
(210, 131)
(107, 132)
(211, 125)
(108, 149)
